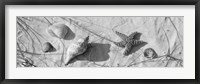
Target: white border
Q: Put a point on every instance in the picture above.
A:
(188, 72)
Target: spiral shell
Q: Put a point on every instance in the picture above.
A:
(47, 47)
(150, 53)
(76, 49)
(58, 30)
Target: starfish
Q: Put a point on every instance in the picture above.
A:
(128, 42)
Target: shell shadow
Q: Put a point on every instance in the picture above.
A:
(50, 51)
(70, 35)
(96, 53)
(54, 49)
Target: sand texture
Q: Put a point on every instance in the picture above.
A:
(162, 34)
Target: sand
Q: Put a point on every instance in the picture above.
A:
(163, 34)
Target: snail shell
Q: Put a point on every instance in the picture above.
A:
(58, 30)
(47, 47)
(76, 49)
(150, 53)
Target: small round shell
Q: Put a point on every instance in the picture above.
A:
(150, 53)
(47, 47)
(58, 30)
(76, 49)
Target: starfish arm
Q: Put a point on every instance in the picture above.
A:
(132, 34)
(135, 35)
(120, 44)
(136, 42)
(122, 36)
(130, 45)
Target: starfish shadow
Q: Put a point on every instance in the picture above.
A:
(96, 53)
(137, 37)
(137, 47)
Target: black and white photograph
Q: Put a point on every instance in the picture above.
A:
(100, 41)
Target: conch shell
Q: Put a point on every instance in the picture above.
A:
(75, 49)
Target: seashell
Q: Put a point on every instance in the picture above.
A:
(150, 53)
(47, 47)
(76, 49)
(58, 30)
